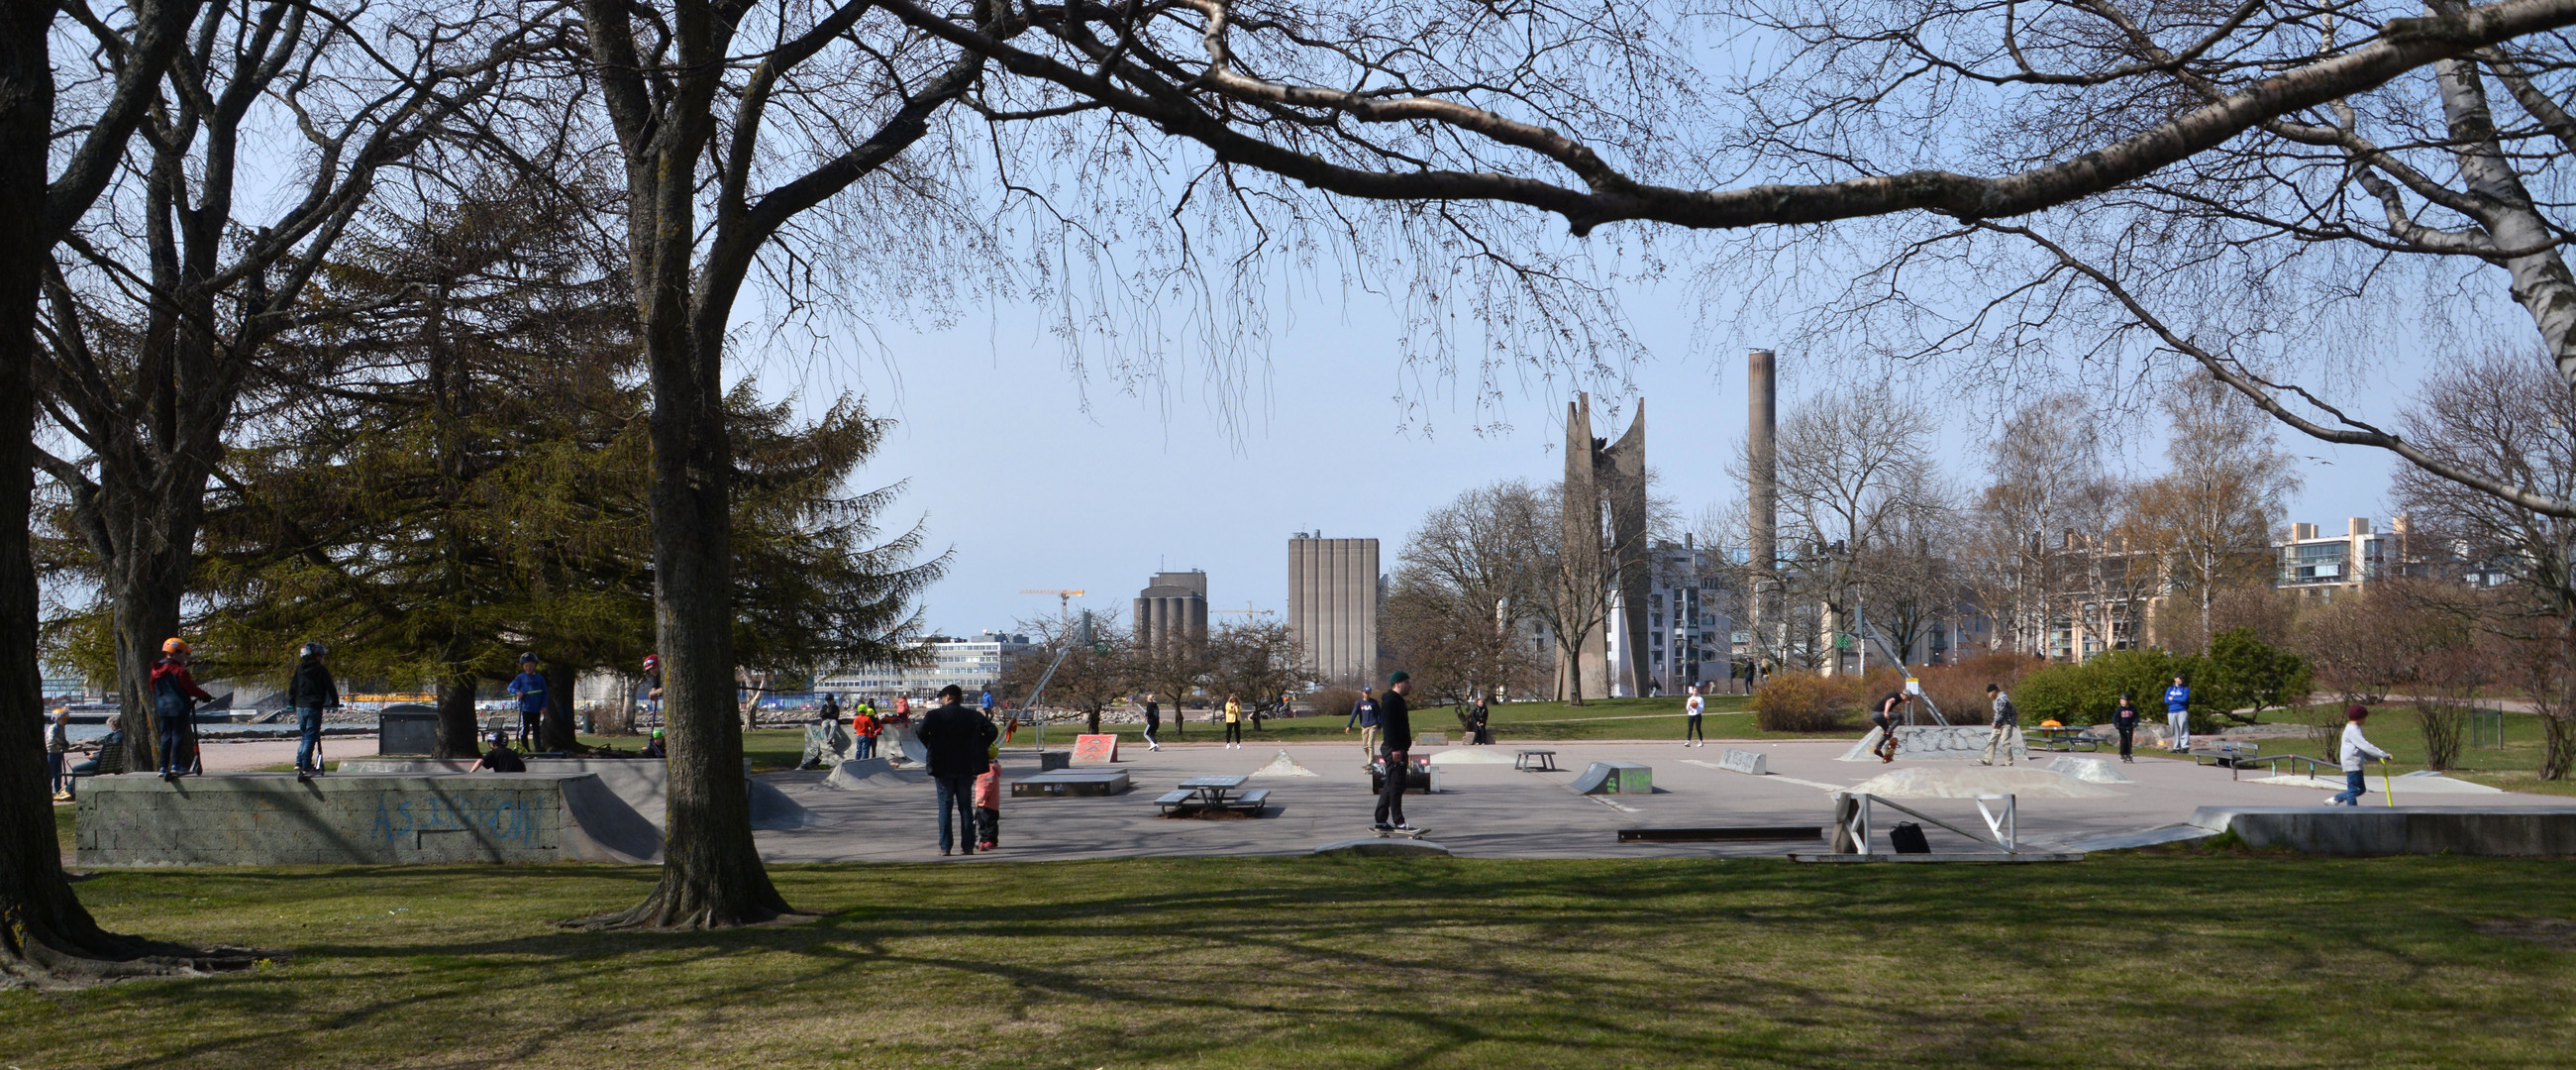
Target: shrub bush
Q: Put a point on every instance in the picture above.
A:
(1804, 702)
(1335, 702)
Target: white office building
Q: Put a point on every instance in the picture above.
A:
(973, 663)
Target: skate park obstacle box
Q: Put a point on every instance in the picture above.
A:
(137, 819)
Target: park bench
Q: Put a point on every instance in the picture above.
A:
(1174, 800)
(2068, 738)
(1212, 793)
(1535, 761)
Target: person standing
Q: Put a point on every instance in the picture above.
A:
(58, 749)
(653, 685)
(2124, 720)
(956, 741)
(2356, 754)
(2007, 726)
(310, 691)
(863, 725)
(1153, 724)
(1692, 730)
(175, 695)
(530, 686)
(1233, 724)
(1364, 715)
(2178, 715)
(1480, 728)
(1395, 725)
(988, 807)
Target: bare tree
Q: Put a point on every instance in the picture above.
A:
(2042, 472)
(1097, 663)
(733, 119)
(1254, 662)
(1851, 467)
(1466, 587)
(2208, 521)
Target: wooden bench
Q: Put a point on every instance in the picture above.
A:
(1535, 761)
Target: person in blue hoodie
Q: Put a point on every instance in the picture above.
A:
(2178, 714)
(530, 686)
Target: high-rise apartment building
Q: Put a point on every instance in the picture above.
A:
(1332, 606)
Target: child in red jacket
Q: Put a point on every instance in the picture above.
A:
(988, 807)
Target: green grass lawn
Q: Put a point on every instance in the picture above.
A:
(2136, 960)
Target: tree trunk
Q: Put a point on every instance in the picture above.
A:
(459, 733)
(555, 729)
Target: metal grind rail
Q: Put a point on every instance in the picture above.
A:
(1852, 825)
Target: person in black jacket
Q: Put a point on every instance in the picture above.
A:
(1395, 727)
(959, 742)
(311, 691)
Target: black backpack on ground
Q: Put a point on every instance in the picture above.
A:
(1907, 838)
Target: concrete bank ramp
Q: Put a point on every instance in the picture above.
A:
(643, 783)
(2089, 770)
(1471, 756)
(2401, 830)
(869, 774)
(1614, 778)
(1970, 781)
(269, 819)
(1934, 742)
(1283, 765)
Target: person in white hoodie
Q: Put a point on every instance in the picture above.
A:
(2356, 750)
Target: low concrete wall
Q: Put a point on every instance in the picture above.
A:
(271, 819)
(1935, 743)
(2403, 830)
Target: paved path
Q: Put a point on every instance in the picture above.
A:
(1487, 811)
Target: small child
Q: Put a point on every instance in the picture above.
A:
(988, 808)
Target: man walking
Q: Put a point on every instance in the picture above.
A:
(1364, 715)
(311, 691)
(1395, 725)
(958, 742)
(2178, 714)
(530, 686)
(2007, 726)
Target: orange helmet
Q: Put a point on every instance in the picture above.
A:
(174, 646)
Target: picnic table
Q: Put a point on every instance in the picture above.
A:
(2069, 738)
(1214, 792)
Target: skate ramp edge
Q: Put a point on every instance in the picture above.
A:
(773, 811)
(598, 825)
(2520, 832)
(1614, 778)
(863, 774)
(272, 819)
(1384, 847)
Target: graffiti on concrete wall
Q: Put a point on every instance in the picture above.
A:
(507, 818)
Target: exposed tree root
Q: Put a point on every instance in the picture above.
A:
(34, 959)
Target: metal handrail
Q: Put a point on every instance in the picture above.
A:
(2005, 828)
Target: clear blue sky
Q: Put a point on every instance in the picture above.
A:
(1031, 491)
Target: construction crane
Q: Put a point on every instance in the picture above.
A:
(1064, 599)
(1246, 610)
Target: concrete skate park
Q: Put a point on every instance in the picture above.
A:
(1318, 795)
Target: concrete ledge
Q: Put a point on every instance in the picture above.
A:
(272, 819)
(2416, 830)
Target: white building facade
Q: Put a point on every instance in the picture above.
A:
(973, 663)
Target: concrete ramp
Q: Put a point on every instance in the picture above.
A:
(1934, 743)
(1283, 765)
(1384, 847)
(269, 819)
(1614, 778)
(2402, 830)
(2088, 770)
(772, 810)
(898, 741)
(869, 774)
(2408, 783)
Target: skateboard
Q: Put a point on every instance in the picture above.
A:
(1414, 834)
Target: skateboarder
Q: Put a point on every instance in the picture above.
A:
(1885, 718)
(1395, 726)
(2007, 725)
(501, 759)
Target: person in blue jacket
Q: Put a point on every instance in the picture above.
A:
(2178, 714)
(530, 686)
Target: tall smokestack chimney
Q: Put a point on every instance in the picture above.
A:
(1762, 494)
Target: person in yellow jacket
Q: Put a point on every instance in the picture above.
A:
(1233, 724)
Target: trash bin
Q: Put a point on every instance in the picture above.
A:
(408, 728)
